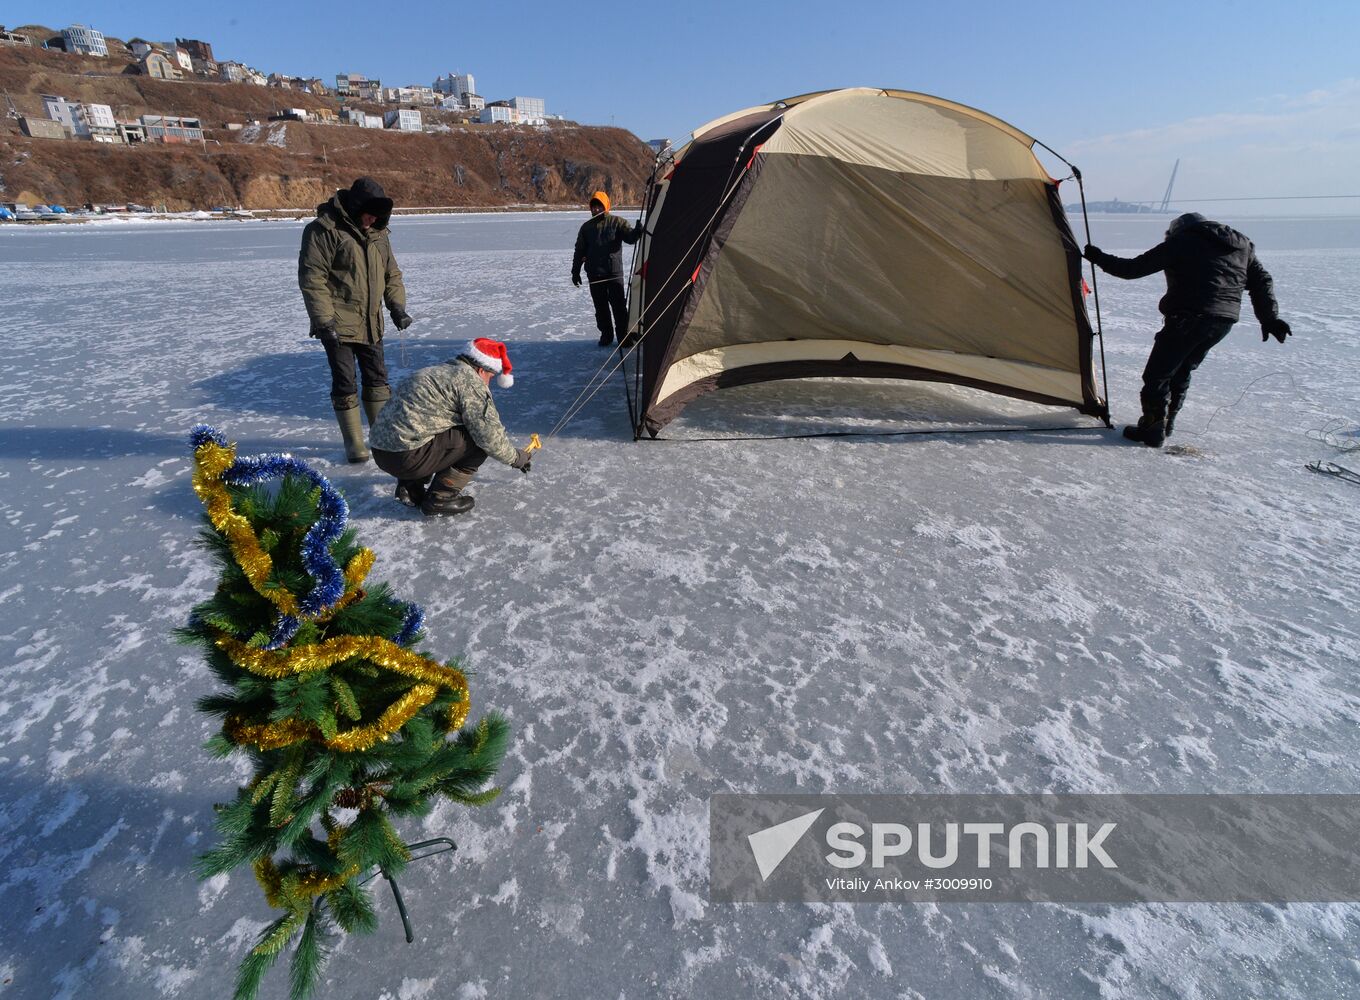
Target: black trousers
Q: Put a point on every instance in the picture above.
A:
(610, 296)
(450, 449)
(342, 358)
(1181, 345)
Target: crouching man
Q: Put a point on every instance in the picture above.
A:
(441, 425)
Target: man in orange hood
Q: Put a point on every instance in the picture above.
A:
(599, 246)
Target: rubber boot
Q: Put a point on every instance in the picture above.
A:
(445, 495)
(351, 428)
(375, 399)
(1175, 407)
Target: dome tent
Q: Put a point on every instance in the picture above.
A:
(862, 232)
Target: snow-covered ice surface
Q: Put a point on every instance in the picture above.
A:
(1031, 611)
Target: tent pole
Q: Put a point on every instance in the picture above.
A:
(1095, 294)
(640, 253)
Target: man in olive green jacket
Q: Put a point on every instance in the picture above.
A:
(347, 274)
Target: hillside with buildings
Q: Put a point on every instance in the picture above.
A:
(167, 125)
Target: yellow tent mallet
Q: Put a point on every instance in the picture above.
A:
(533, 446)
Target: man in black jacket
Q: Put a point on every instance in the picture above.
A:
(599, 246)
(1207, 266)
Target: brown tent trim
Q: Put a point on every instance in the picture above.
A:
(709, 166)
(709, 259)
(1100, 408)
(660, 415)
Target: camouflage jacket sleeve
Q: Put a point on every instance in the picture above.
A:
(394, 289)
(314, 267)
(483, 425)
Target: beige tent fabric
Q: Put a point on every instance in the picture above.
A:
(902, 229)
(873, 256)
(869, 126)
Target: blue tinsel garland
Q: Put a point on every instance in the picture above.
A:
(332, 512)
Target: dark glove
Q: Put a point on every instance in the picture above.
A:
(1276, 328)
(327, 335)
(576, 278)
(521, 461)
(1091, 252)
(400, 319)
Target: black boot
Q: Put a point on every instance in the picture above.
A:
(410, 492)
(606, 339)
(445, 495)
(1175, 407)
(1148, 431)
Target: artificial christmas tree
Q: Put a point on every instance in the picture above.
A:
(345, 724)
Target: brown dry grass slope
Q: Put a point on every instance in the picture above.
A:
(289, 165)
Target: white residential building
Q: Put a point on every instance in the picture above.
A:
(408, 95)
(531, 109)
(183, 59)
(463, 102)
(67, 113)
(100, 116)
(493, 113)
(101, 125)
(455, 85)
(404, 120)
(84, 41)
(232, 72)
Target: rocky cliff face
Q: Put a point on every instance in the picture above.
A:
(290, 164)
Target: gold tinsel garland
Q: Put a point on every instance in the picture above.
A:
(211, 461)
(297, 886)
(278, 664)
(277, 735)
(294, 890)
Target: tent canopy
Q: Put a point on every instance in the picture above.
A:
(869, 233)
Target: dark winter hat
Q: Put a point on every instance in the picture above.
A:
(1182, 222)
(367, 195)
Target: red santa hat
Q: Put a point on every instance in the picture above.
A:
(491, 355)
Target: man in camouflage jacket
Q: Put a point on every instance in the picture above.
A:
(442, 423)
(347, 275)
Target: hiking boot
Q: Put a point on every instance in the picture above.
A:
(445, 495)
(410, 492)
(1149, 432)
(352, 430)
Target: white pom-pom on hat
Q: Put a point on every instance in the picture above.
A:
(493, 356)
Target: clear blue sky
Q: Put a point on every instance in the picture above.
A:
(1255, 97)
